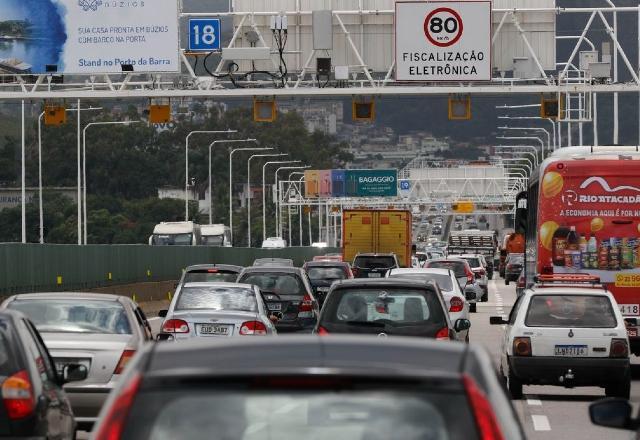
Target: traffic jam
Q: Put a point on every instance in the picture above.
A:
(383, 340)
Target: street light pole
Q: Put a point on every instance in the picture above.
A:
(23, 179)
(264, 198)
(523, 138)
(531, 129)
(249, 190)
(551, 121)
(84, 165)
(277, 201)
(534, 155)
(186, 164)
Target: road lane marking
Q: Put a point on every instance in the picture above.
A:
(540, 423)
(154, 318)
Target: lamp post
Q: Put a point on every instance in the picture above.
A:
(278, 219)
(524, 138)
(264, 198)
(231, 179)
(249, 190)
(531, 129)
(533, 154)
(299, 206)
(556, 144)
(519, 162)
(84, 165)
(186, 163)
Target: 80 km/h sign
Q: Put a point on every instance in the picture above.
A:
(443, 41)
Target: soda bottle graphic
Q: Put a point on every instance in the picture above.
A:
(559, 244)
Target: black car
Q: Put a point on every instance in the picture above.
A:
(227, 273)
(322, 274)
(393, 307)
(513, 265)
(373, 265)
(35, 404)
(288, 295)
(310, 387)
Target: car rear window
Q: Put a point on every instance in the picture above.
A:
(570, 311)
(278, 283)
(334, 413)
(456, 266)
(443, 281)
(473, 262)
(516, 259)
(215, 275)
(75, 316)
(374, 262)
(391, 305)
(217, 298)
(8, 361)
(326, 273)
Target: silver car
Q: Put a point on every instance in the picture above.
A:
(479, 270)
(211, 309)
(454, 298)
(100, 331)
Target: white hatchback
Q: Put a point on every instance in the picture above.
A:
(565, 336)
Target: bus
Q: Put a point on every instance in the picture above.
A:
(582, 215)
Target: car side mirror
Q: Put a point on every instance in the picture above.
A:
(163, 313)
(74, 373)
(497, 320)
(164, 337)
(462, 324)
(612, 413)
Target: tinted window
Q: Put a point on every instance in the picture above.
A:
(75, 316)
(213, 240)
(443, 281)
(570, 311)
(278, 283)
(172, 239)
(203, 275)
(456, 266)
(515, 259)
(217, 298)
(378, 412)
(396, 305)
(8, 361)
(374, 262)
(326, 273)
(473, 262)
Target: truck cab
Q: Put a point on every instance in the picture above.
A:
(216, 235)
(176, 234)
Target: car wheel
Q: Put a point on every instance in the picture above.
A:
(472, 308)
(621, 389)
(485, 297)
(506, 281)
(515, 386)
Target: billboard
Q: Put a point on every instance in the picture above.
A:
(443, 41)
(324, 178)
(311, 183)
(337, 183)
(88, 36)
(371, 183)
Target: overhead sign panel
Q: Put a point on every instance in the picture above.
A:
(443, 41)
(89, 36)
(371, 183)
(204, 34)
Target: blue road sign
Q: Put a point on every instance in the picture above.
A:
(204, 34)
(405, 185)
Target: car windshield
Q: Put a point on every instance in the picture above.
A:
(396, 305)
(326, 273)
(473, 262)
(456, 266)
(443, 281)
(7, 359)
(376, 412)
(217, 298)
(204, 275)
(374, 262)
(570, 311)
(278, 283)
(172, 239)
(75, 316)
(213, 240)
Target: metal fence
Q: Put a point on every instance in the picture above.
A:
(48, 267)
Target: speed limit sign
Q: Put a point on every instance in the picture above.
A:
(443, 40)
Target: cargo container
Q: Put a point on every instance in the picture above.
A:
(380, 231)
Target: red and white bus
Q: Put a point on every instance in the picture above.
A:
(583, 216)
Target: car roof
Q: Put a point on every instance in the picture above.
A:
(376, 254)
(217, 284)
(272, 269)
(461, 260)
(568, 290)
(68, 295)
(383, 282)
(229, 267)
(327, 263)
(434, 270)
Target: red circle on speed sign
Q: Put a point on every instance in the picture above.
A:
(443, 27)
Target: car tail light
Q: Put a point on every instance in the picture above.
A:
(480, 272)
(17, 394)
(443, 334)
(112, 425)
(486, 422)
(322, 331)
(175, 326)
(306, 307)
(124, 360)
(509, 266)
(255, 328)
(456, 304)
(355, 271)
(619, 348)
(522, 346)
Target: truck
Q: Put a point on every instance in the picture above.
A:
(378, 231)
(176, 234)
(474, 241)
(216, 235)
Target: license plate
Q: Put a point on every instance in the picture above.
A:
(571, 350)
(629, 309)
(219, 330)
(61, 362)
(323, 289)
(274, 307)
(374, 275)
(632, 332)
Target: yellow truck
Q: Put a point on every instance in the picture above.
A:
(380, 231)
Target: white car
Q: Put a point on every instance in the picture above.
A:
(565, 336)
(480, 272)
(452, 293)
(275, 243)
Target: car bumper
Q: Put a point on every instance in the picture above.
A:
(87, 401)
(547, 370)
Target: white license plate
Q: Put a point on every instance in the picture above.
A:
(323, 289)
(629, 309)
(571, 350)
(375, 275)
(274, 307)
(218, 330)
(61, 362)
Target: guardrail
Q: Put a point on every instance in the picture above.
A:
(51, 267)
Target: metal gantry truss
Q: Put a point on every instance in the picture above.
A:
(301, 83)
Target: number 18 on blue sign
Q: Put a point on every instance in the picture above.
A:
(204, 34)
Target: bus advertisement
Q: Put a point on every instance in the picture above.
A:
(588, 221)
